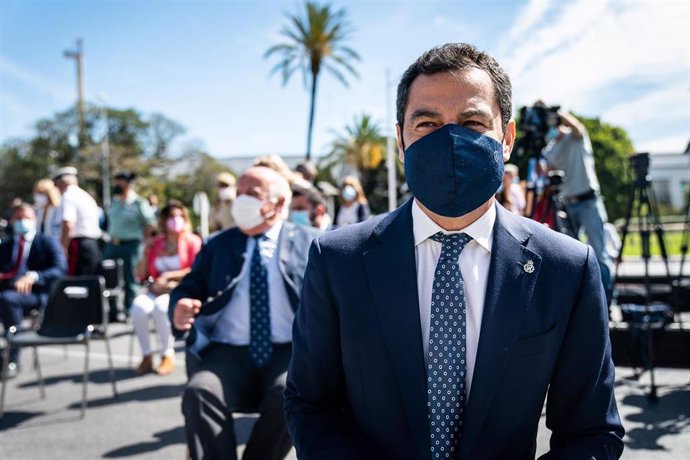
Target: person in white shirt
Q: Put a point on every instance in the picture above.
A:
(80, 219)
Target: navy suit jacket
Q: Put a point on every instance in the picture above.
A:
(357, 382)
(216, 272)
(46, 258)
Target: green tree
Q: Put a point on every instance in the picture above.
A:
(162, 131)
(315, 42)
(137, 143)
(362, 146)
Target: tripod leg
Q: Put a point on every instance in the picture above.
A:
(628, 215)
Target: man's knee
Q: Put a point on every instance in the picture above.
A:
(203, 389)
(273, 399)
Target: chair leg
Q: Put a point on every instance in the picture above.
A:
(37, 367)
(110, 363)
(5, 361)
(86, 379)
(131, 347)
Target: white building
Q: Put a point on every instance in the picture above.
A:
(670, 177)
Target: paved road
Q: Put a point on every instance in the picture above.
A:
(144, 422)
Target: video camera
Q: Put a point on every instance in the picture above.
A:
(535, 122)
(640, 163)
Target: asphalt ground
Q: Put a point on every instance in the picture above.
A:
(145, 422)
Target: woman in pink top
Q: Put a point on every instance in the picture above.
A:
(167, 259)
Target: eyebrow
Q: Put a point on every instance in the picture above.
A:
(419, 113)
(475, 113)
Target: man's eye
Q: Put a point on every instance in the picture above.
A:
(425, 124)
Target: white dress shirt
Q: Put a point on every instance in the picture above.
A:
(81, 209)
(233, 326)
(474, 263)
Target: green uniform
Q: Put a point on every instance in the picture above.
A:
(127, 222)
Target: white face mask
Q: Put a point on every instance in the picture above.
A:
(246, 210)
(40, 200)
(226, 193)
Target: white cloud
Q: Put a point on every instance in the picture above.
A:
(626, 61)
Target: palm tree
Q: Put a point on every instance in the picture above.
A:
(315, 42)
(362, 146)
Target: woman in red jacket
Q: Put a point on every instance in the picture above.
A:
(167, 259)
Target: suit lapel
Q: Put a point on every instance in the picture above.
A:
(286, 242)
(391, 269)
(508, 294)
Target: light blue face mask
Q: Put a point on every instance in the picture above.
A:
(300, 217)
(22, 227)
(454, 170)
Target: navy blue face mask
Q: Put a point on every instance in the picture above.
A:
(454, 170)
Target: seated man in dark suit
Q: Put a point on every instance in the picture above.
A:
(29, 263)
(440, 329)
(240, 297)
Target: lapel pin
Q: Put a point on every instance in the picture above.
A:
(528, 267)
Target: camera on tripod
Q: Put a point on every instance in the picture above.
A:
(640, 165)
(535, 123)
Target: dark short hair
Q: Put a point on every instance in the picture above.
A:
(456, 56)
(312, 194)
(125, 175)
(168, 209)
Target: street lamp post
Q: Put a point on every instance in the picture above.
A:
(390, 153)
(105, 154)
(77, 55)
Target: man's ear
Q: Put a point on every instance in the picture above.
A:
(320, 210)
(401, 144)
(508, 140)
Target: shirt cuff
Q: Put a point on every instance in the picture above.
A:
(33, 275)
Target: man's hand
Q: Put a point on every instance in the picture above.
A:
(24, 284)
(184, 313)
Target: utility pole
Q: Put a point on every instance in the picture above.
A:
(77, 55)
(390, 153)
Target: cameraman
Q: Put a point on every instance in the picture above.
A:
(569, 149)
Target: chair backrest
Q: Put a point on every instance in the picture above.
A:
(112, 272)
(75, 302)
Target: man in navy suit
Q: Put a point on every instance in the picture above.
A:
(438, 330)
(240, 296)
(29, 263)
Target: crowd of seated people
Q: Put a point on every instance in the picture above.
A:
(66, 232)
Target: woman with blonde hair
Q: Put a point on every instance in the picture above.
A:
(48, 211)
(354, 206)
(167, 259)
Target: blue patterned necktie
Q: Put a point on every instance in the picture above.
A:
(446, 368)
(260, 345)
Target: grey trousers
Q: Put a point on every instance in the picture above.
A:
(224, 381)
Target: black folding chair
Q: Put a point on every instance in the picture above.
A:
(75, 314)
(112, 272)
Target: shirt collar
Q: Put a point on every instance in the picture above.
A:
(274, 231)
(481, 230)
(29, 237)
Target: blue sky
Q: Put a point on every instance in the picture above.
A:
(201, 63)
